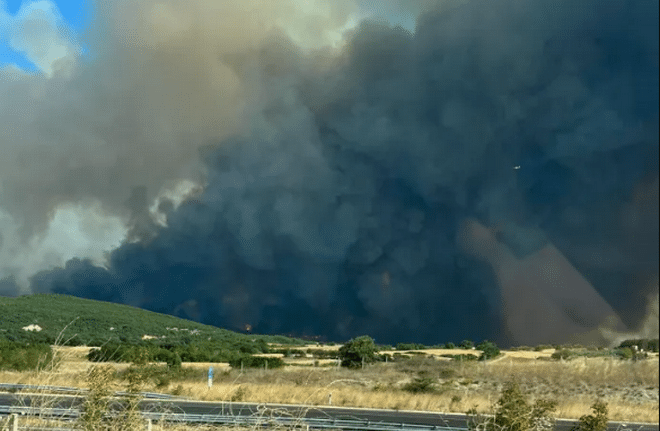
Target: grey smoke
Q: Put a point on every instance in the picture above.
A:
(339, 206)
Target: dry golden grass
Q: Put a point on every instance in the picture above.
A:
(627, 386)
(344, 393)
(575, 384)
(527, 354)
(589, 371)
(217, 366)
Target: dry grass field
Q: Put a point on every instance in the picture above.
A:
(629, 387)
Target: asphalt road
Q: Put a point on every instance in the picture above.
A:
(444, 420)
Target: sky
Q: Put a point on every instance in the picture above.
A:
(76, 14)
(419, 171)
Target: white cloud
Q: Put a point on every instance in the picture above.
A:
(39, 32)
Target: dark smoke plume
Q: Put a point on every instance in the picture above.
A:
(492, 175)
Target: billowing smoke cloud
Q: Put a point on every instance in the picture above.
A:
(125, 121)
(491, 175)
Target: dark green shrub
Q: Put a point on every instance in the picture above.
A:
(410, 346)
(262, 345)
(488, 349)
(172, 359)
(358, 351)
(466, 344)
(542, 347)
(563, 354)
(20, 356)
(624, 353)
(420, 385)
(248, 361)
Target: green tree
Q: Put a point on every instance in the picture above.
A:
(466, 344)
(488, 349)
(358, 351)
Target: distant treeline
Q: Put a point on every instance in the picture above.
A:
(237, 354)
(648, 345)
(135, 335)
(465, 344)
(240, 351)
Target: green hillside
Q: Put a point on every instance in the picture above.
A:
(94, 323)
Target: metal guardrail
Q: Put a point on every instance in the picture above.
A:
(78, 391)
(252, 420)
(316, 423)
(50, 413)
(259, 418)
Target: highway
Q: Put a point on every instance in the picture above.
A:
(66, 406)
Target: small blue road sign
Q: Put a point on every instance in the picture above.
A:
(210, 382)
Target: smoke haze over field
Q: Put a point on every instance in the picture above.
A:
(491, 172)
